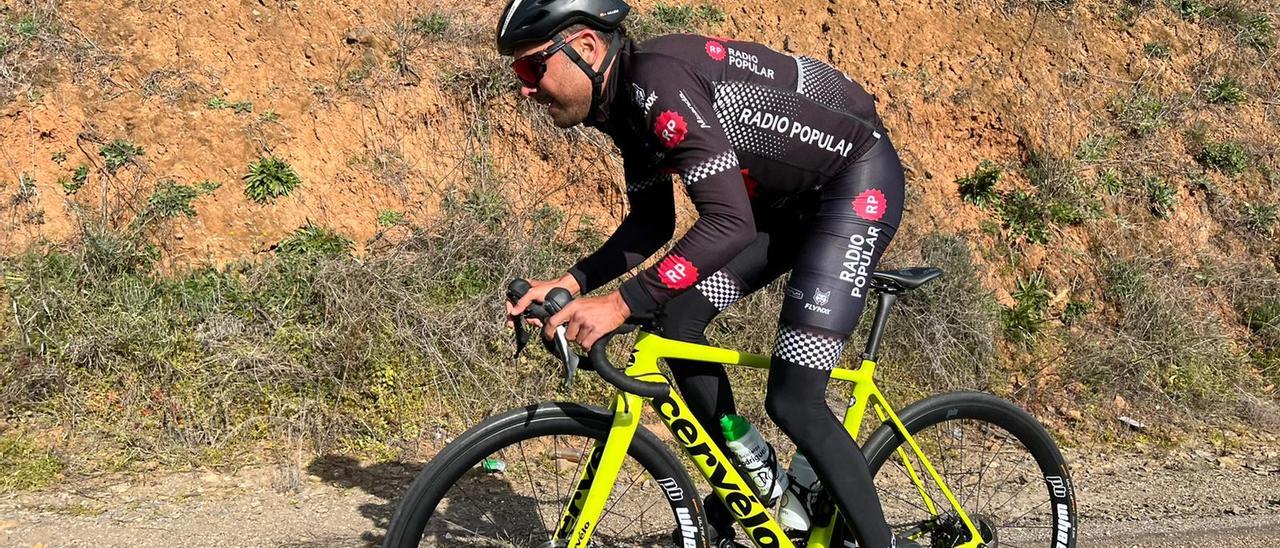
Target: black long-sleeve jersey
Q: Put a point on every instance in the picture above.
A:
(738, 122)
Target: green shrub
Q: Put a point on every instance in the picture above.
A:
(312, 242)
(119, 153)
(1023, 321)
(25, 467)
(1111, 182)
(390, 217)
(217, 103)
(674, 19)
(1265, 318)
(1226, 157)
(78, 178)
(1225, 91)
(1188, 9)
(430, 25)
(270, 178)
(1156, 50)
(1162, 198)
(1095, 148)
(1260, 218)
(979, 188)
(1075, 311)
(171, 199)
(1140, 112)
(1024, 215)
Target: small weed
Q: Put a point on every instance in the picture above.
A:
(1075, 311)
(979, 188)
(269, 116)
(1095, 148)
(1226, 157)
(207, 187)
(119, 153)
(1225, 91)
(1156, 50)
(1024, 215)
(59, 157)
(23, 466)
(1140, 112)
(1111, 182)
(1188, 9)
(270, 178)
(675, 19)
(430, 25)
(171, 199)
(26, 189)
(78, 179)
(1259, 33)
(1065, 213)
(389, 218)
(314, 242)
(1163, 198)
(1265, 317)
(1260, 218)
(239, 107)
(1023, 321)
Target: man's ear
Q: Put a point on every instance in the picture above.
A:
(590, 47)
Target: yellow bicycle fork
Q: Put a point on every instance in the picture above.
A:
(598, 477)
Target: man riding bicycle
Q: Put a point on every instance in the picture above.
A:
(789, 168)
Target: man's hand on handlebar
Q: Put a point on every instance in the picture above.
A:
(589, 318)
(537, 294)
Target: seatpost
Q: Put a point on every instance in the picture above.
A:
(877, 326)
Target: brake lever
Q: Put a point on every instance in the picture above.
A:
(568, 356)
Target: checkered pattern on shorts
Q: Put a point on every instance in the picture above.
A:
(721, 162)
(720, 289)
(807, 349)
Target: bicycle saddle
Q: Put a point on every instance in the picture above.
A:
(897, 281)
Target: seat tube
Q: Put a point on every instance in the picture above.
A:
(583, 511)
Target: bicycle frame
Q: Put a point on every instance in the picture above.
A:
(583, 511)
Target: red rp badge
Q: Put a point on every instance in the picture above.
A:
(870, 205)
(677, 272)
(715, 50)
(670, 128)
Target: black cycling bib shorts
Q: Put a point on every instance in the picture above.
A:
(790, 169)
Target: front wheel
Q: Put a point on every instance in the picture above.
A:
(1001, 465)
(507, 481)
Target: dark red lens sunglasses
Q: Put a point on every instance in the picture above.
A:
(530, 68)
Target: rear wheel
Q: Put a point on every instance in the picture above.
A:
(999, 462)
(506, 482)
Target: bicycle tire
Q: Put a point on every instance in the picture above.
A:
(422, 502)
(1055, 526)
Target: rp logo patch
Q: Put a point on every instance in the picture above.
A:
(677, 272)
(870, 205)
(670, 128)
(716, 50)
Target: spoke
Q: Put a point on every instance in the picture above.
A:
(1015, 493)
(634, 479)
(533, 492)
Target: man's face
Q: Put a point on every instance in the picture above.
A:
(565, 89)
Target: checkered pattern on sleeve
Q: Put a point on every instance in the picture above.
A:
(720, 289)
(807, 349)
(643, 183)
(716, 164)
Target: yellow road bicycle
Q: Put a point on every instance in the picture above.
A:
(958, 469)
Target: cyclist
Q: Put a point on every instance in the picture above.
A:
(789, 168)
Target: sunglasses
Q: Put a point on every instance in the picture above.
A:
(531, 68)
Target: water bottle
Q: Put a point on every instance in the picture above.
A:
(755, 457)
(794, 511)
